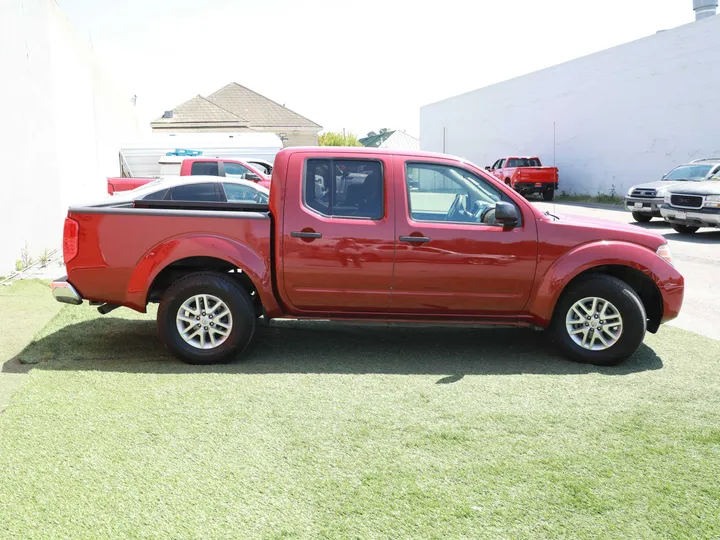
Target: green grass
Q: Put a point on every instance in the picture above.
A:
(332, 431)
(599, 199)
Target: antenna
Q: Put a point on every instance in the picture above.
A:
(555, 165)
(444, 139)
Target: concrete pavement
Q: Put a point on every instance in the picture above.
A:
(697, 257)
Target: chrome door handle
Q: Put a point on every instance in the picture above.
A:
(305, 234)
(415, 239)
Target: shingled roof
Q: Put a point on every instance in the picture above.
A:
(234, 106)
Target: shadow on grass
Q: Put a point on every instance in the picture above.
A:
(121, 345)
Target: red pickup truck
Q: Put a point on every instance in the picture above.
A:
(526, 175)
(197, 166)
(366, 234)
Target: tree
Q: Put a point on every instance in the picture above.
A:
(332, 138)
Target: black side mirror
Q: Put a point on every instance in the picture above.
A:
(506, 214)
(252, 177)
(488, 168)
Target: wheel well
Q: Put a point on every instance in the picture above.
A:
(183, 267)
(507, 181)
(640, 282)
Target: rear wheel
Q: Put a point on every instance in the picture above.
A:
(206, 318)
(548, 195)
(684, 229)
(599, 320)
(640, 217)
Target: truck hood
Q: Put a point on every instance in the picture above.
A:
(581, 229)
(661, 184)
(709, 187)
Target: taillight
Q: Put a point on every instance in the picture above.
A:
(71, 234)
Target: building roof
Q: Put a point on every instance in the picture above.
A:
(233, 106)
(259, 110)
(396, 139)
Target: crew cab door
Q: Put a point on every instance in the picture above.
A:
(450, 258)
(338, 238)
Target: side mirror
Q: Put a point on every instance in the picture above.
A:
(252, 177)
(506, 214)
(488, 168)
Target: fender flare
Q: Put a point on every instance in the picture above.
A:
(548, 288)
(165, 253)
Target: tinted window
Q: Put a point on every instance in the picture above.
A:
(240, 193)
(523, 162)
(345, 188)
(207, 168)
(196, 192)
(235, 169)
(157, 196)
(689, 172)
(443, 193)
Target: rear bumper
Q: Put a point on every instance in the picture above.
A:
(647, 206)
(535, 187)
(65, 293)
(705, 217)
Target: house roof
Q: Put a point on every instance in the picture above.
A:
(257, 109)
(375, 141)
(396, 139)
(200, 110)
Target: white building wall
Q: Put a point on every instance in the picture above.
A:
(622, 116)
(61, 123)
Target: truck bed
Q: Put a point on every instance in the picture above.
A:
(121, 249)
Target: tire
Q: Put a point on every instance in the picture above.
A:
(684, 229)
(624, 301)
(240, 322)
(640, 217)
(507, 182)
(548, 195)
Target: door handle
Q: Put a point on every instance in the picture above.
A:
(415, 239)
(305, 234)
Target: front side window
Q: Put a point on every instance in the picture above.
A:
(345, 188)
(235, 170)
(204, 168)
(501, 163)
(206, 192)
(240, 193)
(443, 193)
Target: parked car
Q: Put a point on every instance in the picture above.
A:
(230, 168)
(198, 189)
(645, 200)
(526, 175)
(344, 238)
(691, 206)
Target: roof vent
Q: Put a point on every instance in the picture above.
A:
(705, 8)
(168, 114)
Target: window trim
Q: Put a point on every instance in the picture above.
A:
(503, 196)
(303, 187)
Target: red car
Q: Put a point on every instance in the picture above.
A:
(526, 175)
(366, 234)
(204, 166)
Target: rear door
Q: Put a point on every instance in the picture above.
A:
(338, 235)
(451, 259)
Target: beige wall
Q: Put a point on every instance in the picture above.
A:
(301, 139)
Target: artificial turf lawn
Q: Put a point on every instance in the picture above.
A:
(358, 432)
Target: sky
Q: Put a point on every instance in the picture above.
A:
(358, 66)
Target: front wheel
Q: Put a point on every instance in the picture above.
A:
(206, 318)
(684, 229)
(599, 320)
(640, 217)
(548, 195)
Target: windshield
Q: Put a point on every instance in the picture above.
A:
(692, 173)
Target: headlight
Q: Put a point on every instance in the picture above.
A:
(660, 193)
(630, 190)
(712, 201)
(666, 200)
(664, 252)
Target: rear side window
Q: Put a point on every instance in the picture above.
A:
(207, 168)
(206, 192)
(157, 196)
(345, 188)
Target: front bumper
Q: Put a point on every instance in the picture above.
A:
(644, 205)
(64, 292)
(701, 217)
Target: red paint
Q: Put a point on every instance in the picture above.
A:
(359, 269)
(526, 178)
(118, 184)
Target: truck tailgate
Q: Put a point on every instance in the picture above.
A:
(545, 175)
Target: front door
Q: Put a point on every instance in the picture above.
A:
(451, 258)
(338, 240)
